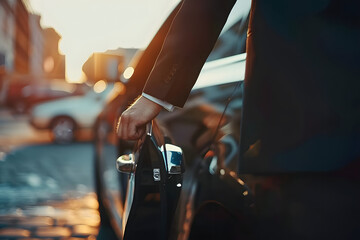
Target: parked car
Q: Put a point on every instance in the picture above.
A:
(208, 200)
(22, 96)
(64, 117)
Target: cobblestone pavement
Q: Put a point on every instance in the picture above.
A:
(46, 190)
(71, 219)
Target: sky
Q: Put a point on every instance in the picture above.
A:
(88, 26)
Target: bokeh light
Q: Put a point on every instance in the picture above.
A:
(129, 71)
(100, 86)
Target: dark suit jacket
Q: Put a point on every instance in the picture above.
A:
(302, 85)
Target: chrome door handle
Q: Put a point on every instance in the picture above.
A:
(126, 163)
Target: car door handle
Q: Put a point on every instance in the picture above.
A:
(126, 163)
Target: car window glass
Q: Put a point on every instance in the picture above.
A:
(232, 40)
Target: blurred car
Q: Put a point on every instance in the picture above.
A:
(210, 189)
(64, 117)
(22, 96)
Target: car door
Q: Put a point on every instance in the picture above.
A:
(112, 186)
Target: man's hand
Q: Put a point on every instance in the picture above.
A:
(132, 123)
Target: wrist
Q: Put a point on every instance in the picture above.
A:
(149, 105)
(169, 107)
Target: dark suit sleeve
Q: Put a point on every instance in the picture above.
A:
(189, 41)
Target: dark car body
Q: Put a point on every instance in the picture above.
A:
(210, 200)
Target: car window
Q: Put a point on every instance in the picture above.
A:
(232, 40)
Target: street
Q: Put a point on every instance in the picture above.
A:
(47, 190)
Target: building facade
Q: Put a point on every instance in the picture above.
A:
(54, 61)
(36, 51)
(7, 35)
(103, 66)
(24, 45)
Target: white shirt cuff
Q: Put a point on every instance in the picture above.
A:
(166, 105)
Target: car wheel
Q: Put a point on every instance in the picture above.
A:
(63, 130)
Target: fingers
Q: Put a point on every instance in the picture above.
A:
(132, 123)
(135, 130)
(130, 128)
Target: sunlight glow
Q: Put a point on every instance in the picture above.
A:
(49, 64)
(88, 26)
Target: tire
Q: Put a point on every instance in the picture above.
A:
(63, 130)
